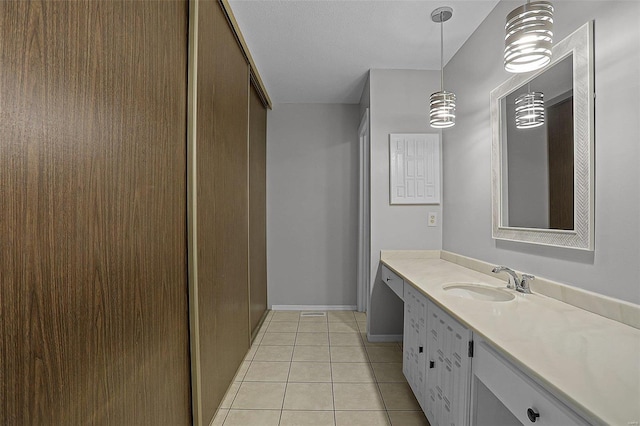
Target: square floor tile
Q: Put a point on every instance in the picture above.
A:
(283, 327)
(259, 396)
(279, 339)
(310, 372)
(307, 418)
(308, 396)
(345, 339)
(388, 372)
(230, 395)
(273, 353)
(311, 353)
(341, 316)
(384, 354)
(360, 316)
(286, 316)
(312, 339)
(408, 418)
(348, 354)
(260, 371)
(357, 396)
(252, 417)
(362, 326)
(398, 396)
(313, 327)
(352, 372)
(343, 327)
(362, 418)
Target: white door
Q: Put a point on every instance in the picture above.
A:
(364, 216)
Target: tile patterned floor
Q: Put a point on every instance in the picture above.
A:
(310, 370)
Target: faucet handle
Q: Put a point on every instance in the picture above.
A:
(511, 283)
(525, 283)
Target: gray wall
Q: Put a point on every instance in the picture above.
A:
(527, 171)
(527, 153)
(399, 104)
(476, 69)
(312, 204)
(365, 98)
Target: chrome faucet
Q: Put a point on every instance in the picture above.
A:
(521, 285)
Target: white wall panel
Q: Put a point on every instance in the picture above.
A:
(414, 168)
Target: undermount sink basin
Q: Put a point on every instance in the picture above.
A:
(478, 292)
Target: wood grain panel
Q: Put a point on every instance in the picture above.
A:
(93, 295)
(222, 205)
(257, 209)
(561, 167)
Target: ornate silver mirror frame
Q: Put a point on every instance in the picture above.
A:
(580, 44)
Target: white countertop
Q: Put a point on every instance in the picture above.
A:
(589, 361)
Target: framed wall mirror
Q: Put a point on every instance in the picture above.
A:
(542, 150)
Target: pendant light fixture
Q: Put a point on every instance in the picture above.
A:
(529, 37)
(530, 109)
(442, 104)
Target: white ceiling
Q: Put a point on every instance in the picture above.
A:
(311, 51)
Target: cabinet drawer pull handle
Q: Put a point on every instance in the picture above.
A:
(432, 364)
(533, 415)
(388, 279)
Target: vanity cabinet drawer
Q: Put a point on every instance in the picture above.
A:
(393, 281)
(525, 399)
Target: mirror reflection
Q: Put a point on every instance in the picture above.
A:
(538, 151)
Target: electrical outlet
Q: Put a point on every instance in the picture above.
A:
(433, 219)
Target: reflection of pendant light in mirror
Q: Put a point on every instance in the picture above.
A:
(530, 110)
(442, 104)
(529, 36)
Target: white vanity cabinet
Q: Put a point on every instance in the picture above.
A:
(527, 364)
(502, 394)
(394, 282)
(436, 360)
(449, 351)
(414, 342)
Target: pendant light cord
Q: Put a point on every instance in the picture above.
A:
(441, 53)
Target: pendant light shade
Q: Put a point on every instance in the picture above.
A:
(442, 109)
(529, 37)
(530, 110)
(442, 104)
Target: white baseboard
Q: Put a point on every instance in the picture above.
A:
(381, 338)
(314, 307)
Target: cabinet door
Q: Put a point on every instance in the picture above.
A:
(431, 390)
(409, 344)
(447, 383)
(414, 342)
(421, 353)
(516, 392)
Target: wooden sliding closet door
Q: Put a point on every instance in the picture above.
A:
(93, 294)
(257, 208)
(221, 150)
